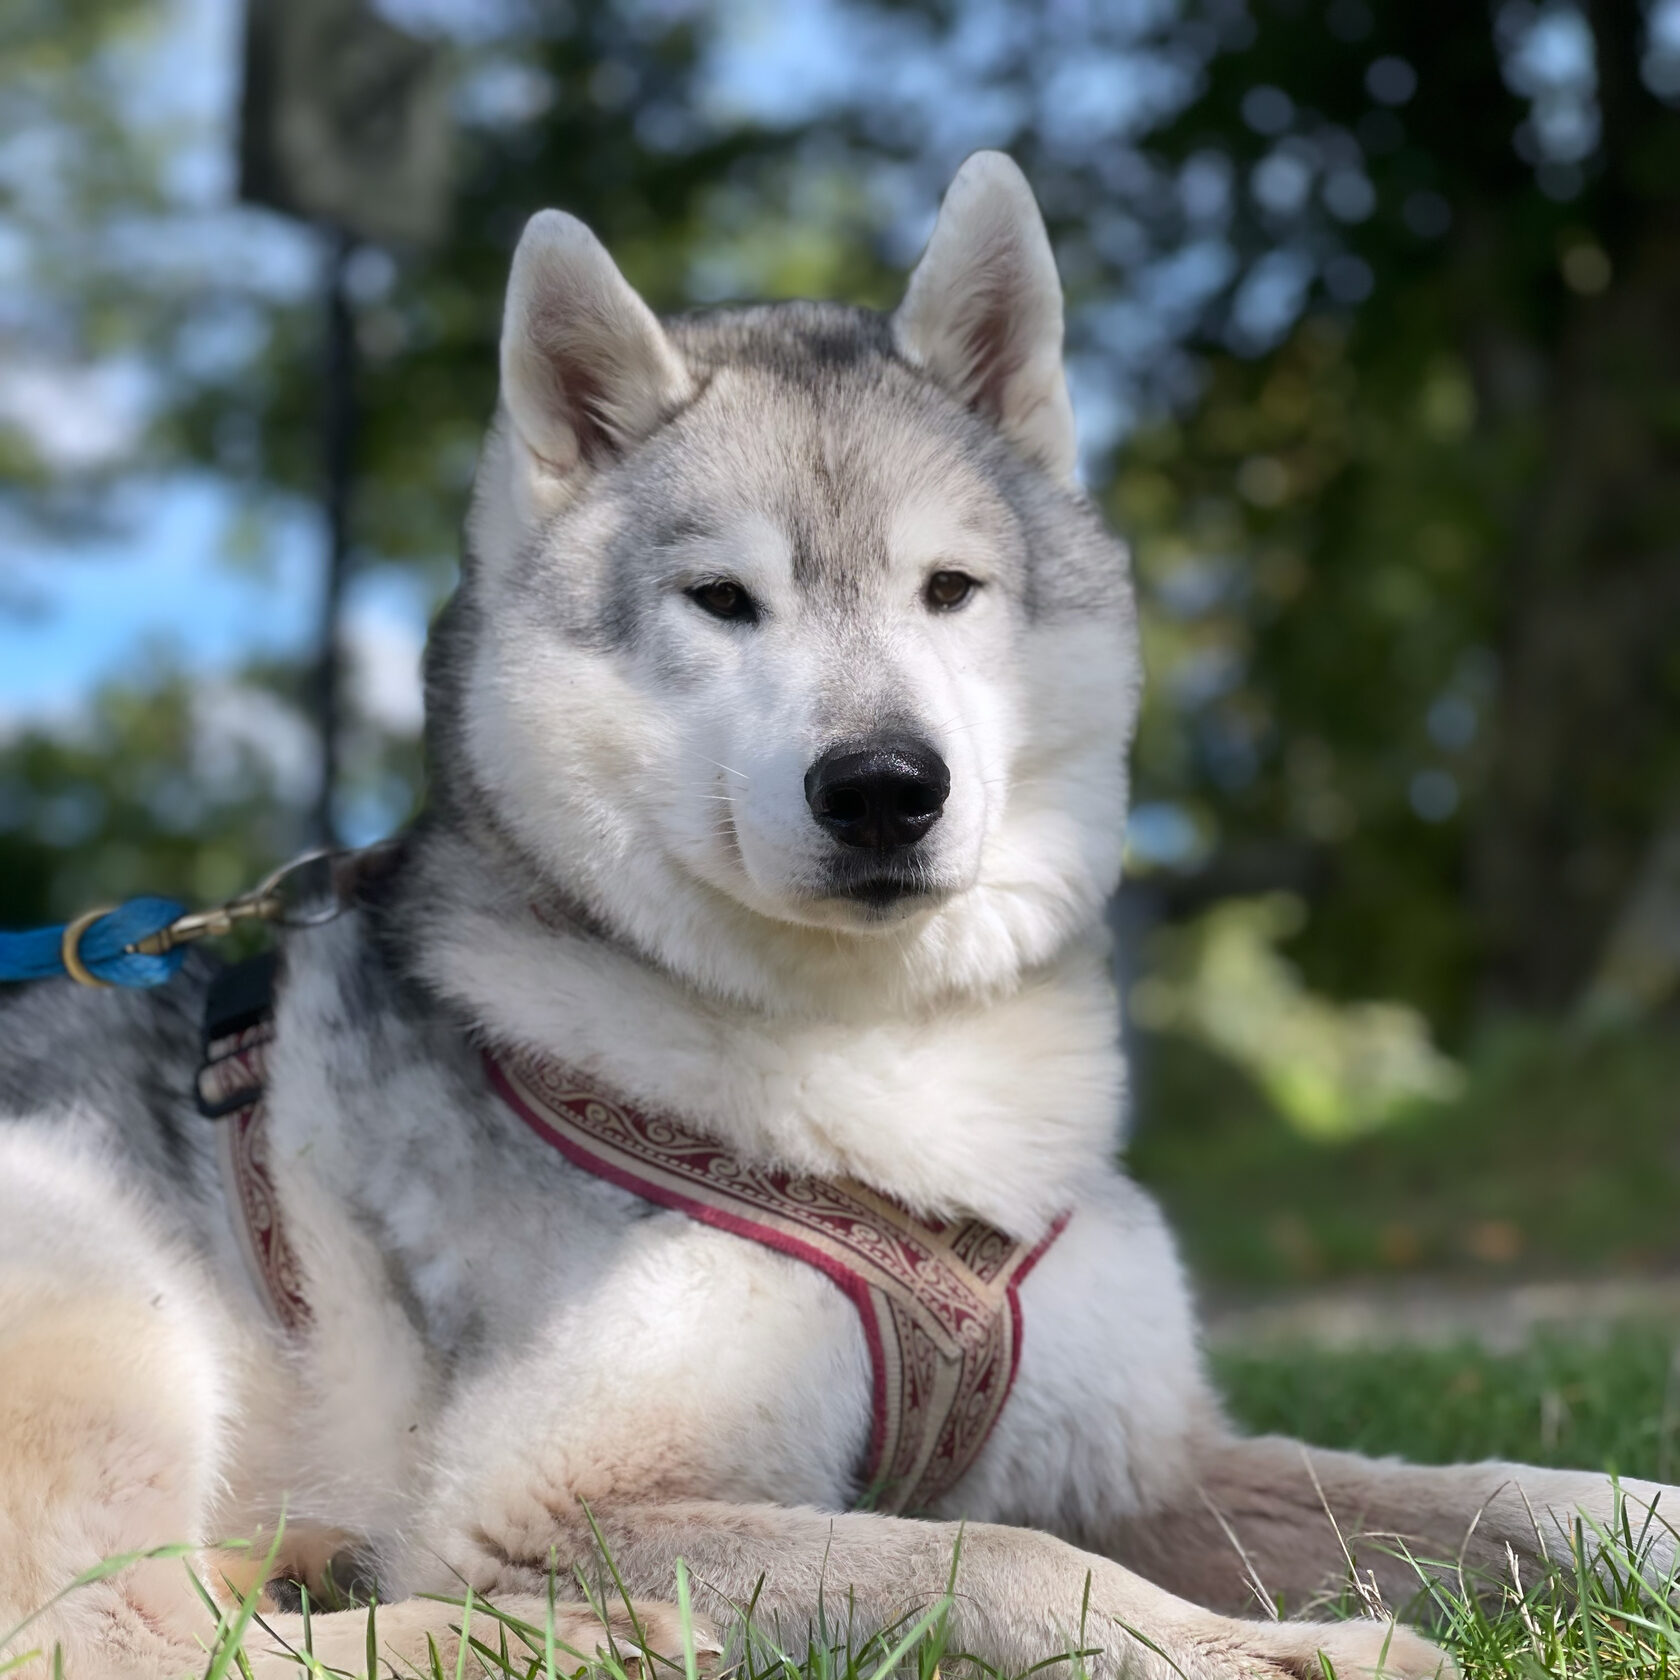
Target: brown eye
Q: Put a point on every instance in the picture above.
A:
(948, 590)
(726, 600)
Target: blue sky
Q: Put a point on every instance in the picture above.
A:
(163, 584)
(157, 581)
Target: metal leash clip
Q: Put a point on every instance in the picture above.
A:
(304, 893)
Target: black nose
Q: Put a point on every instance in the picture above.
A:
(885, 794)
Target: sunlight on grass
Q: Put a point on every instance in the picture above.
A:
(1333, 1070)
(1607, 1402)
(1558, 1159)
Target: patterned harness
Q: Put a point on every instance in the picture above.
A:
(938, 1299)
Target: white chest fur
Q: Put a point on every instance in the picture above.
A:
(480, 1301)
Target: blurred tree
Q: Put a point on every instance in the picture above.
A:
(158, 783)
(165, 785)
(71, 158)
(1392, 290)
(1441, 510)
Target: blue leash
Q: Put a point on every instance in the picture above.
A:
(142, 942)
(100, 946)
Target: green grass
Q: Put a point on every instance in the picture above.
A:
(1612, 1404)
(1563, 1155)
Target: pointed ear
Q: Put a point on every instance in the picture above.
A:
(586, 368)
(983, 312)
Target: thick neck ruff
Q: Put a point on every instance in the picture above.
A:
(996, 1107)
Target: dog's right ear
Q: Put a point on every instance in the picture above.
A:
(983, 313)
(586, 368)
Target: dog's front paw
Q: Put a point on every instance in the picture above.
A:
(1356, 1650)
(646, 1634)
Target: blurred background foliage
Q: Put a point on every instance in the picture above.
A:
(1375, 339)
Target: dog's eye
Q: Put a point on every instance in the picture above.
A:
(723, 599)
(948, 590)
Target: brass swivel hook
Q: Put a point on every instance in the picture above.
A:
(303, 893)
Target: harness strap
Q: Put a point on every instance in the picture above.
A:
(238, 1030)
(938, 1298)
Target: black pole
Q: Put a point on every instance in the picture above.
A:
(338, 439)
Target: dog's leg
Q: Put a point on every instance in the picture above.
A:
(117, 1380)
(408, 1632)
(117, 1406)
(108, 1426)
(1019, 1593)
(1272, 1514)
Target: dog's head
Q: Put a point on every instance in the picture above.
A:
(787, 642)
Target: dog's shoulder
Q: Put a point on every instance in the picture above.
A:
(63, 1044)
(116, 1068)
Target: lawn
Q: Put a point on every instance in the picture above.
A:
(1561, 1157)
(1610, 1402)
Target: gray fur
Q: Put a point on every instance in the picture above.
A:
(117, 1068)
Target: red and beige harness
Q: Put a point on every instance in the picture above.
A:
(938, 1299)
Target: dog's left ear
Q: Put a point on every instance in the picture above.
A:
(983, 313)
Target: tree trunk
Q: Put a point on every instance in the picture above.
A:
(1586, 744)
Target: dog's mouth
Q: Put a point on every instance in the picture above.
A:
(884, 890)
(882, 883)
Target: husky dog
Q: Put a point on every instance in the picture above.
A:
(777, 736)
